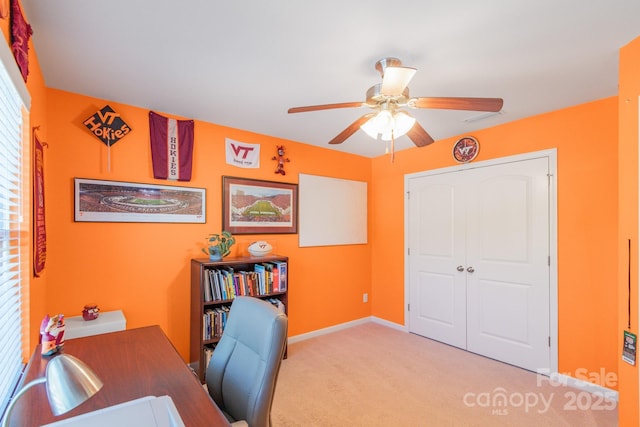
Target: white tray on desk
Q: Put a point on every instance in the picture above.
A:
(149, 411)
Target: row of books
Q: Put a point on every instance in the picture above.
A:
(224, 283)
(214, 320)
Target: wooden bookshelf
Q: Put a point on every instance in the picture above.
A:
(214, 285)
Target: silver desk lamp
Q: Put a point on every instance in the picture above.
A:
(69, 382)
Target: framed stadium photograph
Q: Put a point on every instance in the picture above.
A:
(251, 206)
(115, 201)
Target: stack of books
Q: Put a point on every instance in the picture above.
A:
(222, 284)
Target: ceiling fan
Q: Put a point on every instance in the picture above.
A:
(386, 100)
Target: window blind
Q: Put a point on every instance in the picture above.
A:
(11, 211)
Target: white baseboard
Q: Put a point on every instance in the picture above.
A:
(389, 324)
(585, 386)
(328, 330)
(557, 378)
(346, 325)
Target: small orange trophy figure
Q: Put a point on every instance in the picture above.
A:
(281, 160)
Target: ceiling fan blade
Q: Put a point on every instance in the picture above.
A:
(396, 79)
(324, 107)
(475, 104)
(351, 129)
(419, 136)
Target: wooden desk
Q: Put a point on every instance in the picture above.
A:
(131, 364)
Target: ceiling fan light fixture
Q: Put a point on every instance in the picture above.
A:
(380, 123)
(386, 123)
(403, 122)
(369, 128)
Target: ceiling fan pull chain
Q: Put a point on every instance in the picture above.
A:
(393, 146)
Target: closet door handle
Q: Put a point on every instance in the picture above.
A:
(470, 269)
(460, 268)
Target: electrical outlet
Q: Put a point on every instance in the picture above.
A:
(365, 297)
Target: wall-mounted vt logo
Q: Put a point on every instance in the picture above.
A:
(107, 125)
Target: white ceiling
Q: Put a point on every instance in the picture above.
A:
(243, 63)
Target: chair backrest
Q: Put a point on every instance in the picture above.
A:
(241, 376)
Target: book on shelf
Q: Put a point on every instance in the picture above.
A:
(221, 289)
(205, 328)
(207, 325)
(207, 287)
(224, 286)
(221, 285)
(213, 280)
(252, 283)
(268, 277)
(275, 275)
(218, 321)
(231, 284)
(281, 267)
(260, 275)
(241, 282)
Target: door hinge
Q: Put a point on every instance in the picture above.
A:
(408, 195)
(549, 260)
(549, 341)
(408, 251)
(408, 307)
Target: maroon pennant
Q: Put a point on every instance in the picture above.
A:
(39, 228)
(171, 147)
(20, 33)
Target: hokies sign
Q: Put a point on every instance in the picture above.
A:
(107, 125)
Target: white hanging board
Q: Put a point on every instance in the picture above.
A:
(332, 211)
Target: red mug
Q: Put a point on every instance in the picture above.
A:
(90, 312)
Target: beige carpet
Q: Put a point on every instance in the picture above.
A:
(373, 375)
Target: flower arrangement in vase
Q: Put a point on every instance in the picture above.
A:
(219, 245)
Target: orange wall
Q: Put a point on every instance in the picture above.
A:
(629, 84)
(585, 137)
(143, 269)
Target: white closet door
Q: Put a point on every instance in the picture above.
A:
(478, 266)
(508, 250)
(437, 242)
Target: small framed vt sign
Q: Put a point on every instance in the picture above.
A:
(465, 149)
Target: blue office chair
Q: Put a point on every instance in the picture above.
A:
(241, 376)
